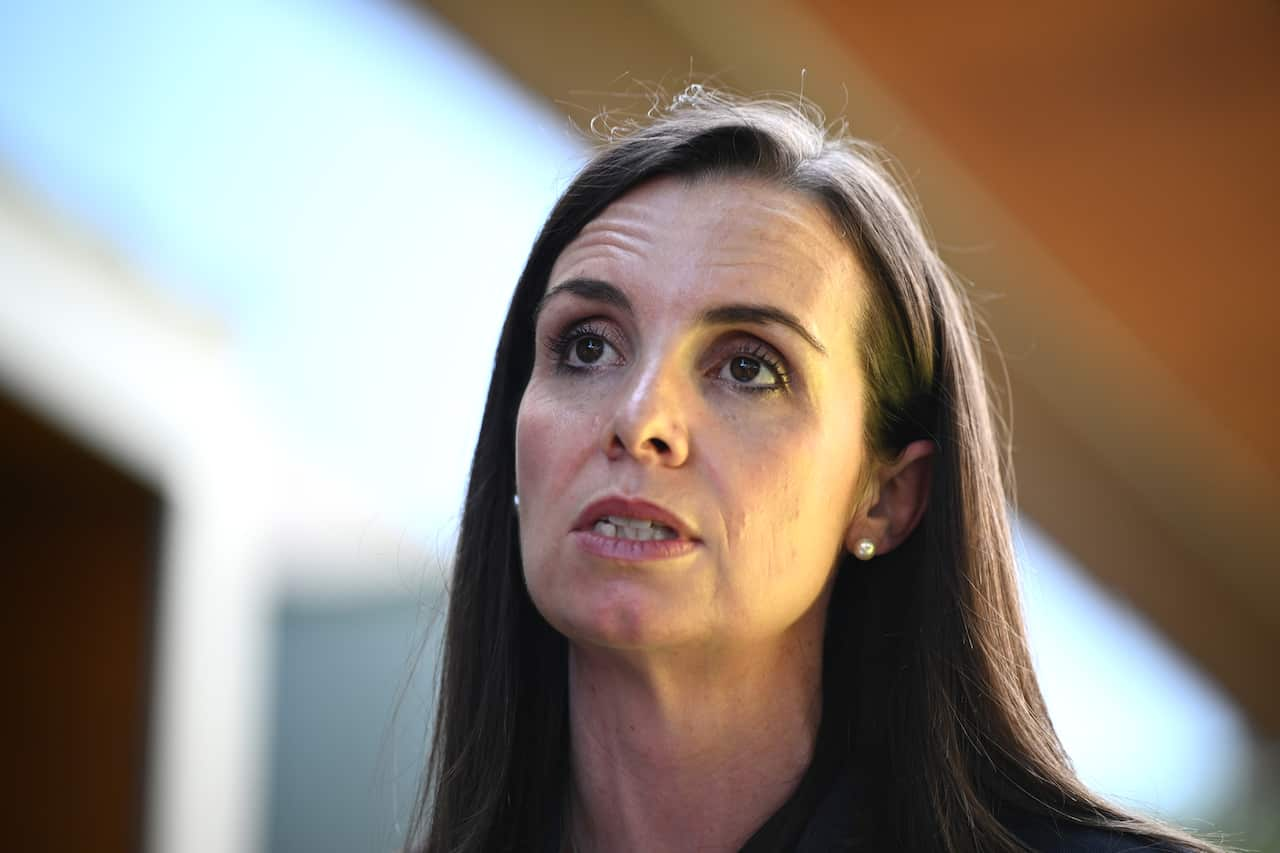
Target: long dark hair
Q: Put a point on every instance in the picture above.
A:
(928, 684)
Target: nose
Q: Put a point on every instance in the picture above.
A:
(650, 423)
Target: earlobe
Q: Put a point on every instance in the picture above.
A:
(898, 502)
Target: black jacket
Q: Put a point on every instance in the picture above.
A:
(827, 824)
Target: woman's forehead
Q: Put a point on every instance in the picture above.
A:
(684, 239)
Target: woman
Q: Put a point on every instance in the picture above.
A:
(735, 567)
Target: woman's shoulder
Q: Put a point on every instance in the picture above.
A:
(835, 826)
(1044, 834)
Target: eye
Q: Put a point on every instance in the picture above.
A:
(581, 347)
(587, 350)
(744, 368)
(757, 370)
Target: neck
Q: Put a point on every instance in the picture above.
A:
(692, 751)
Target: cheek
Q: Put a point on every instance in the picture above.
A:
(763, 489)
(554, 442)
(536, 463)
(532, 433)
(549, 434)
(788, 498)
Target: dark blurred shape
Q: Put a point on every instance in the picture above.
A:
(78, 542)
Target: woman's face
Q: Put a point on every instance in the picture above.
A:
(688, 448)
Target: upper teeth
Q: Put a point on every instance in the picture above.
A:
(633, 528)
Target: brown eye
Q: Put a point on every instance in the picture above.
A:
(585, 349)
(744, 369)
(753, 370)
(589, 348)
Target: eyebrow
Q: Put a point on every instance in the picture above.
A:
(595, 290)
(591, 289)
(760, 315)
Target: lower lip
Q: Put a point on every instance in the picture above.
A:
(632, 550)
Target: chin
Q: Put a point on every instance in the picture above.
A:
(616, 614)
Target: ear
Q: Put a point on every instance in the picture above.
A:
(898, 496)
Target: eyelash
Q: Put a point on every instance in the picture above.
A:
(558, 346)
(766, 357)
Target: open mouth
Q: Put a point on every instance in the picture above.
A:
(639, 529)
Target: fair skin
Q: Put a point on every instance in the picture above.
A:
(697, 368)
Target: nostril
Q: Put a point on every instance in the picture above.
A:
(651, 447)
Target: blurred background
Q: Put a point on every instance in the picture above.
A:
(253, 261)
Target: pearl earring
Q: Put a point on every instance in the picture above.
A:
(515, 501)
(865, 549)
